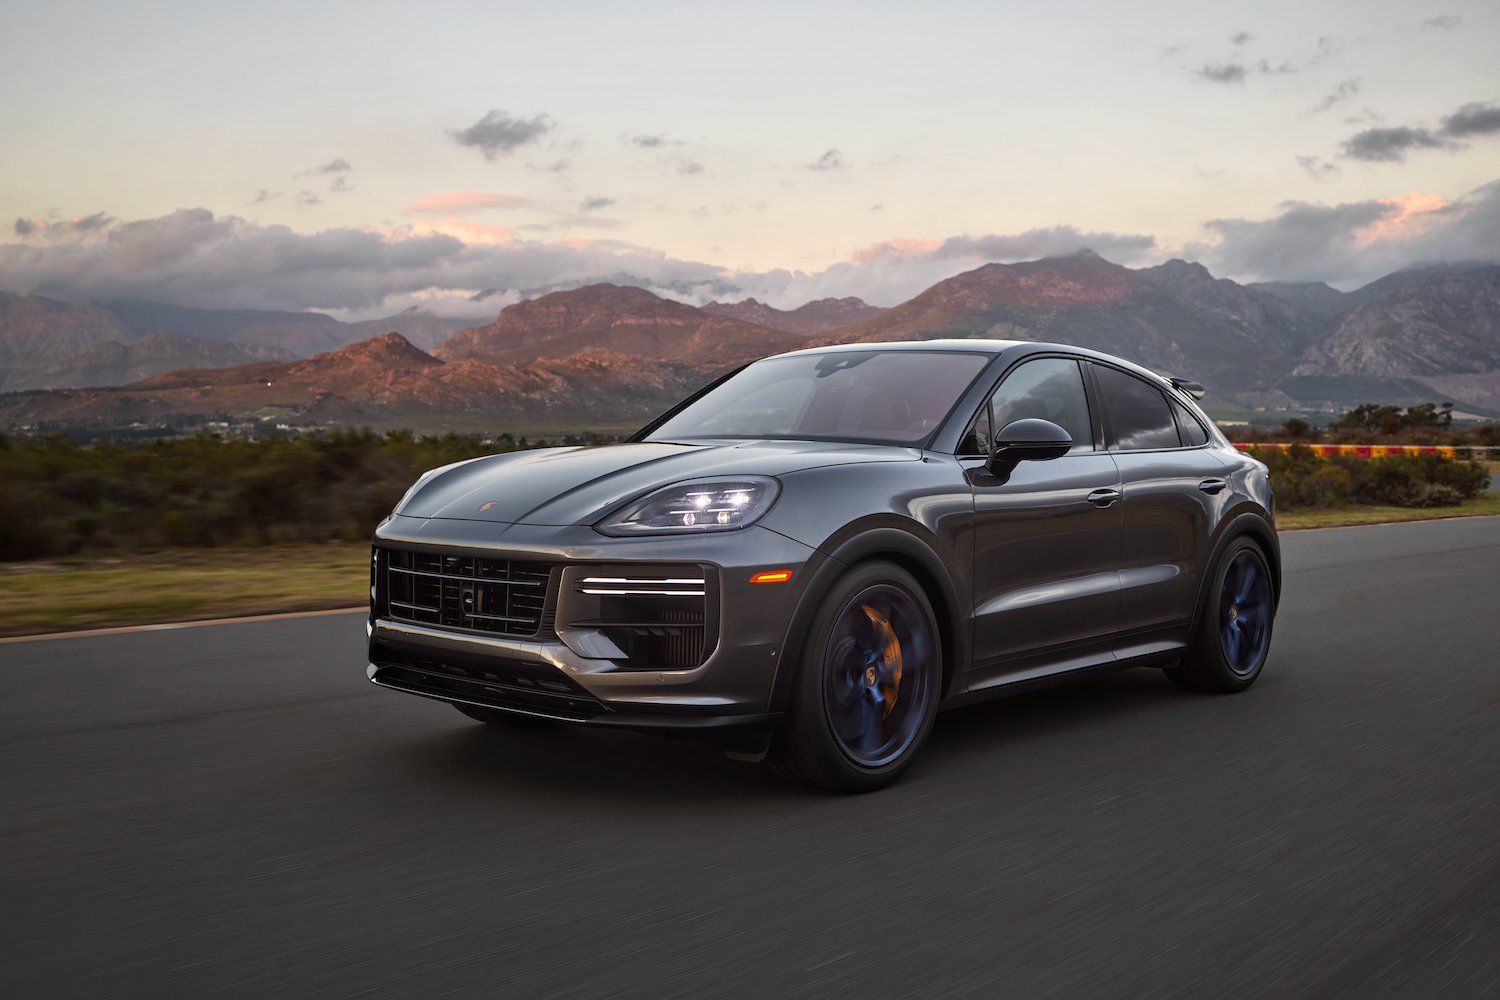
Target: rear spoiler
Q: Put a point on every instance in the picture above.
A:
(1187, 385)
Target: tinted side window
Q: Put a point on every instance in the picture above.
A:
(1192, 432)
(979, 440)
(1049, 388)
(1138, 412)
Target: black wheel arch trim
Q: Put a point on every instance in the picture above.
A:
(1250, 522)
(906, 550)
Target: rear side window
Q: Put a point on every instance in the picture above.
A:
(1138, 412)
(1192, 432)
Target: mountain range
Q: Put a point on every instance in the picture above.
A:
(610, 355)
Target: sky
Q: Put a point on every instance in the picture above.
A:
(359, 158)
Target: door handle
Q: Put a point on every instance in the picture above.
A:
(1103, 498)
(1212, 485)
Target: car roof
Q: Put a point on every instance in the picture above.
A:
(982, 346)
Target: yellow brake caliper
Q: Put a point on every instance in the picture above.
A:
(890, 658)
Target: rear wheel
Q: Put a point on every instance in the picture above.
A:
(1234, 632)
(509, 720)
(867, 688)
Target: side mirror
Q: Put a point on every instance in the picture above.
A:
(1027, 440)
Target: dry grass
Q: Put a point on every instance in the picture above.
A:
(1485, 504)
(180, 585)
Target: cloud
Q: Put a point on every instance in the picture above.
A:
(555, 167)
(1316, 167)
(25, 227)
(340, 185)
(461, 201)
(1241, 37)
(264, 195)
(337, 166)
(1443, 22)
(1472, 119)
(307, 199)
(498, 133)
(645, 140)
(1390, 145)
(1345, 91)
(1353, 243)
(831, 160)
(1222, 73)
(594, 204)
(689, 167)
(79, 227)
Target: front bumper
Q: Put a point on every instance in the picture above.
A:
(729, 691)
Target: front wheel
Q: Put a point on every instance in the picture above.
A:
(866, 689)
(1234, 629)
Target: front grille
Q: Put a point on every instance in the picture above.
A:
(495, 684)
(502, 596)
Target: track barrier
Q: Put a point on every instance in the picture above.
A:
(1380, 450)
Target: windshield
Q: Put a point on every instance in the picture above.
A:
(886, 397)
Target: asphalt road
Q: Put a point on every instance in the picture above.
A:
(233, 810)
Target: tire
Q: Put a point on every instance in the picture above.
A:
(867, 685)
(1233, 632)
(508, 720)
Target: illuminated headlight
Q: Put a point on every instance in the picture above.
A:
(698, 505)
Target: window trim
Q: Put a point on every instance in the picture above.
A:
(1109, 428)
(1096, 426)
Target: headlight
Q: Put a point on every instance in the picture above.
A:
(696, 505)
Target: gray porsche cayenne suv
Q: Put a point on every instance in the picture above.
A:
(813, 555)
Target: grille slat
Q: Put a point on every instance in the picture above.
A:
(467, 592)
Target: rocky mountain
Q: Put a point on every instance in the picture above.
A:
(382, 382)
(38, 332)
(1175, 317)
(1431, 323)
(300, 334)
(117, 363)
(620, 353)
(818, 316)
(619, 320)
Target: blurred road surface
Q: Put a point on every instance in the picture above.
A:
(233, 810)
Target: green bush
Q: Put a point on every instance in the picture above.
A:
(1304, 479)
(58, 497)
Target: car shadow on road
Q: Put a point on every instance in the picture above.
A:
(573, 760)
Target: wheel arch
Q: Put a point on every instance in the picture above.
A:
(889, 544)
(1251, 523)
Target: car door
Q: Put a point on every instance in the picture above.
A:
(1046, 537)
(1172, 483)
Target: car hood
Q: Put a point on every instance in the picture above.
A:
(560, 486)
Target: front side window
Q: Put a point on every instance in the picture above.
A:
(1049, 388)
(1138, 412)
(882, 397)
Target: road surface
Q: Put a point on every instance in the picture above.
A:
(233, 810)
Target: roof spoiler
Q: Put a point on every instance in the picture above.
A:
(1187, 385)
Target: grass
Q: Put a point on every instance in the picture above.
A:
(1334, 517)
(180, 585)
(188, 584)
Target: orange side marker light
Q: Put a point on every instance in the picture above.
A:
(772, 576)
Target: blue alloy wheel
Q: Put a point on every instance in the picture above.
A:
(1245, 612)
(876, 675)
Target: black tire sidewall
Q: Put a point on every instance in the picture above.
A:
(1206, 667)
(810, 745)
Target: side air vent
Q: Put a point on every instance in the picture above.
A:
(649, 618)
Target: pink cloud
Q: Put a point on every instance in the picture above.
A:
(1413, 215)
(448, 202)
(898, 247)
(475, 233)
